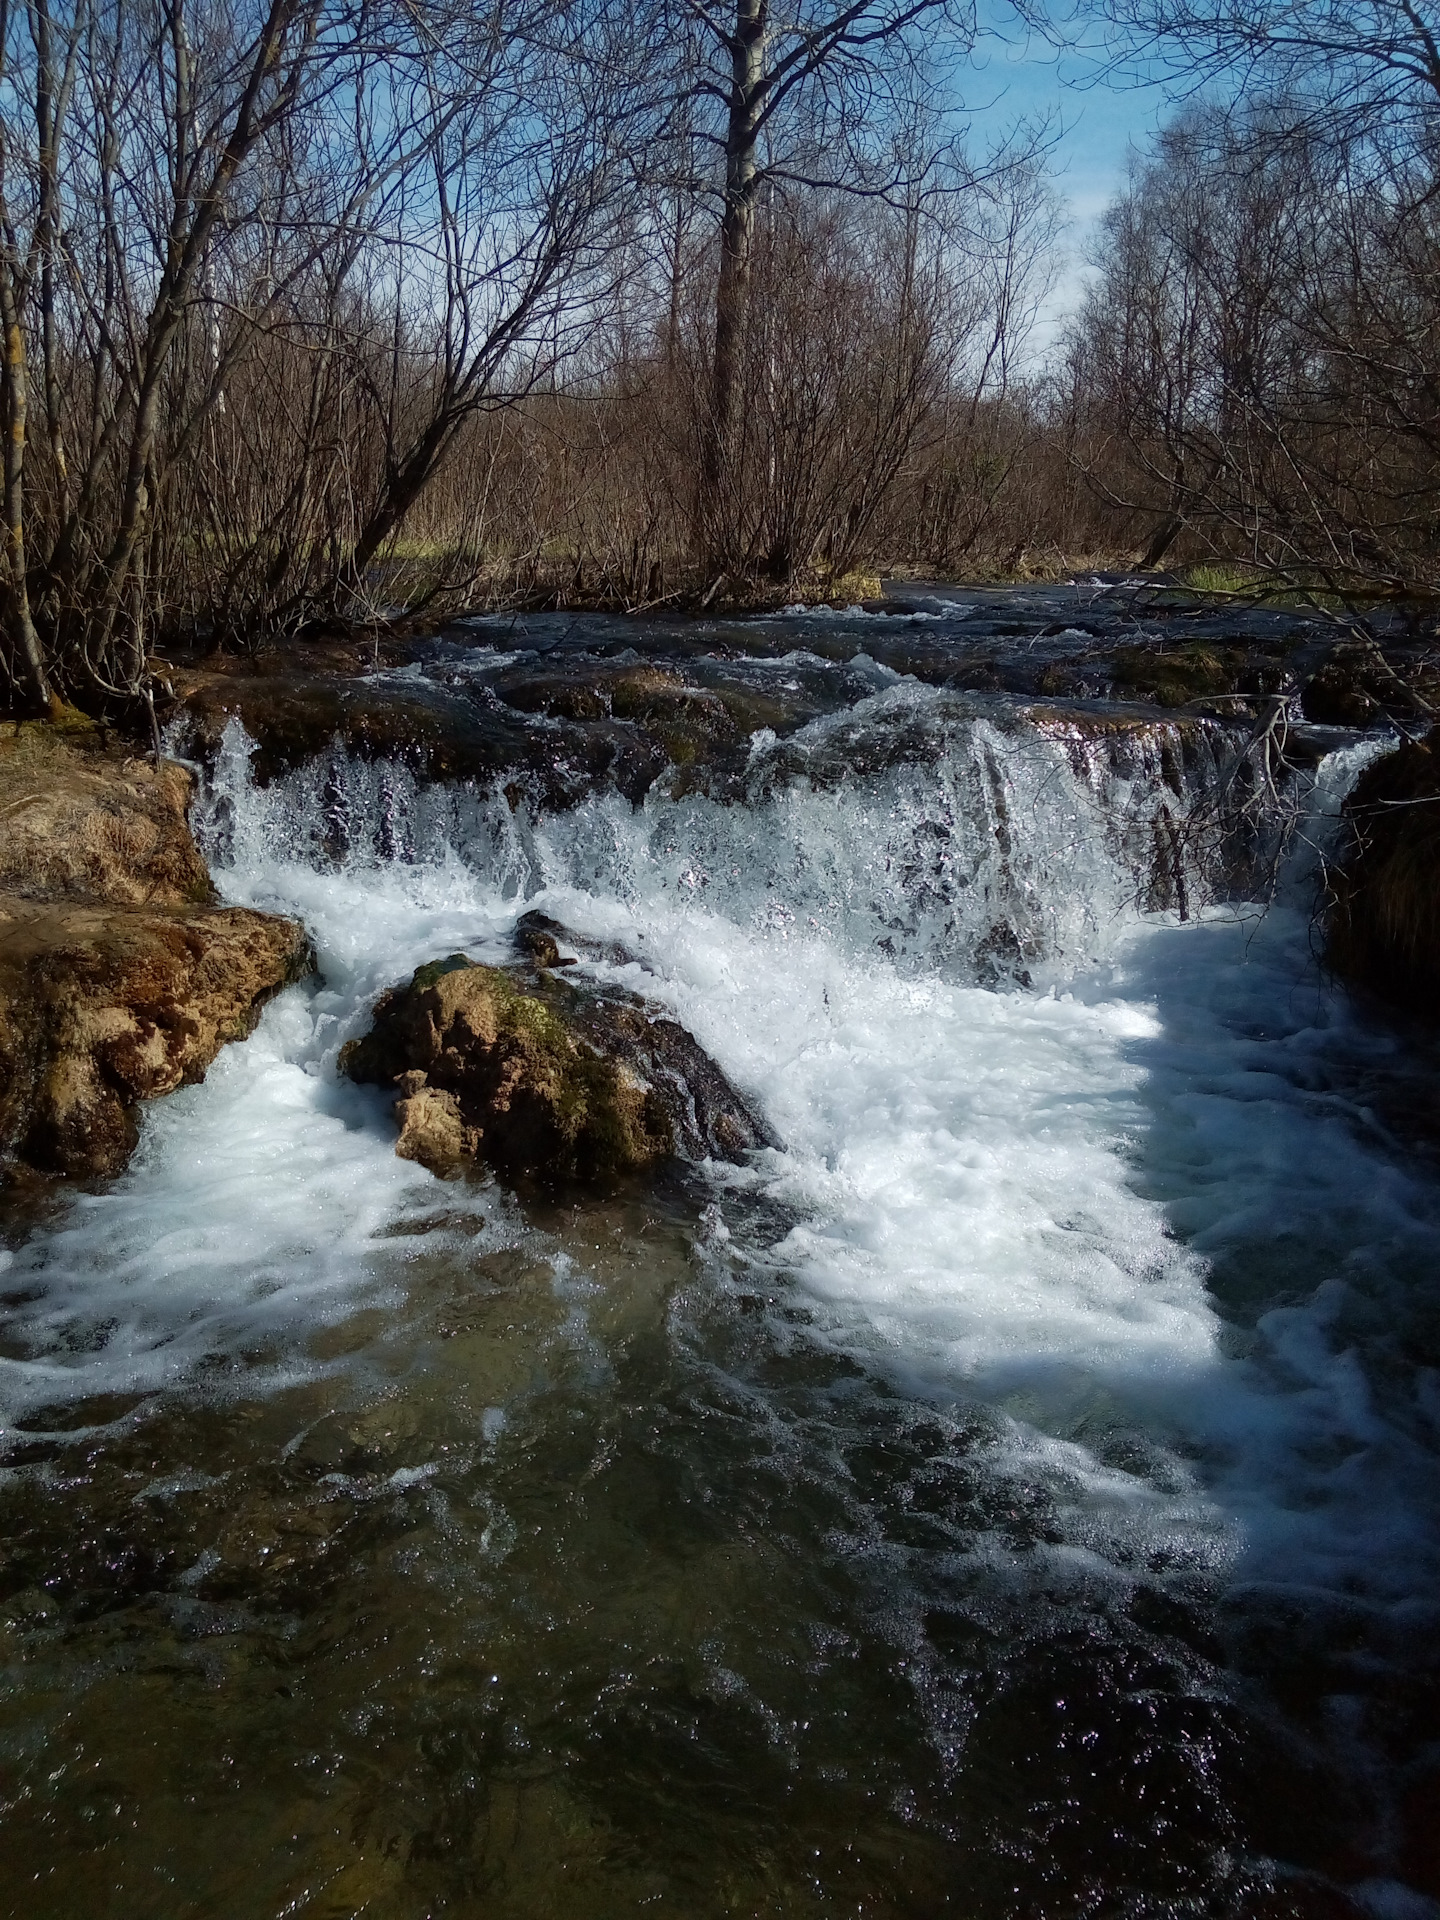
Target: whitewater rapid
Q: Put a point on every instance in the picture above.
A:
(1132, 1210)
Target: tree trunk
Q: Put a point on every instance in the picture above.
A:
(1162, 540)
(717, 534)
(264, 102)
(51, 98)
(402, 489)
(33, 680)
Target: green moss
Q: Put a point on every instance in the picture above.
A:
(599, 1117)
(1180, 674)
(681, 749)
(1231, 580)
(751, 711)
(527, 1016)
(427, 975)
(63, 720)
(1220, 576)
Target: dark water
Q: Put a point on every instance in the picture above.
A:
(1014, 1498)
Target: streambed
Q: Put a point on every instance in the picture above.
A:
(1015, 1495)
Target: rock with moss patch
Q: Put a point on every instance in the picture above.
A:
(102, 1007)
(544, 1078)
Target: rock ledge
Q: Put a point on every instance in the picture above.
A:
(120, 978)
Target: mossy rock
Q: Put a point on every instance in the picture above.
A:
(1174, 676)
(542, 1080)
(679, 723)
(63, 719)
(103, 1006)
(1334, 696)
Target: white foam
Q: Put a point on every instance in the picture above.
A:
(898, 617)
(472, 663)
(1012, 1198)
(254, 1210)
(1016, 1197)
(1319, 1434)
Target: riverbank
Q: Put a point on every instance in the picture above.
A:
(121, 974)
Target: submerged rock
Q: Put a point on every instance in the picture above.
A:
(1384, 922)
(686, 722)
(120, 979)
(535, 938)
(1359, 682)
(294, 716)
(544, 1078)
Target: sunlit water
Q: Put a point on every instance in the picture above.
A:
(1015, 1495)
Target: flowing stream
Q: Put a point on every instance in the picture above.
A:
(1015, 1495)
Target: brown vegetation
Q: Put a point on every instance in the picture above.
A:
(649, 287)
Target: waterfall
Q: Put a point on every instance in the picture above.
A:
(1069, 1348)
(992, 847)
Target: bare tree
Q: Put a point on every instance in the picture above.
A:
(502, 247)
(813, 97)
(1351, 67)
(371, 218)
(1257, 353)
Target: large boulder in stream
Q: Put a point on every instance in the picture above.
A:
(542, 1077)
(121, 977)
(1384, 921)
(102, 1007)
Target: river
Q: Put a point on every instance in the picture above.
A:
(1013, 1495)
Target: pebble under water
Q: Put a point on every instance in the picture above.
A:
(1016, 1495)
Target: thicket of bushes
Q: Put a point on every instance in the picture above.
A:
(313, 307)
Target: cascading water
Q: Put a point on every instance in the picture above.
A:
(908, 823)
(1015, 1494)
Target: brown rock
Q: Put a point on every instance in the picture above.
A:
(1337, 696)
(78, 822)
(544, 1079)
(539, 946)
(102, 1007)
(484, 1068)
(1357, 684)
(295, 716)
(685, 722)
(119, 978)
(432, 1127)
(1384, 923)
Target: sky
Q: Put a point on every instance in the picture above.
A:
(1096, 123)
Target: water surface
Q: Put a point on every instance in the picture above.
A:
(1014, 1496)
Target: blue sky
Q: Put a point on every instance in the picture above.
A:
(1018, 74)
